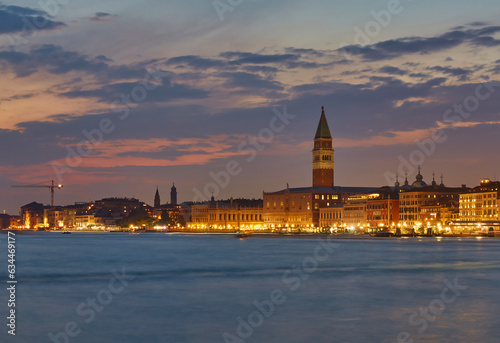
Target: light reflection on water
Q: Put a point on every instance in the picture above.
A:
(193, 289)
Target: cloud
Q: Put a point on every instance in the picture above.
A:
(55, 60)
(249, 81)
(101, 17)
(389, 49)
(18, 97)
(237, 57)
(196, 62)
(461, 73)
(301, 51)
(392, 70)
(165, 92)
(15, 19)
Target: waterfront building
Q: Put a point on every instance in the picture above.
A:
(482, 203)
(232, 214)
(383, 211)
(479, 209)
(4, 221)
(332, 217)
(33, 216)
(16, 222)
(428, 206)
(87, 221)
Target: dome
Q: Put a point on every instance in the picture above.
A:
(419, 182)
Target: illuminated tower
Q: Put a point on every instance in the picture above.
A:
(173, 195)
(323, 154)
(157, 198)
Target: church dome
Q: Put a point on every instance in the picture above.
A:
(419, 182)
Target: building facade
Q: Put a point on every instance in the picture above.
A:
(429, 206)
(237, 214)
(383, 212)
(297, 208)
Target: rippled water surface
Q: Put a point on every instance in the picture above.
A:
(205, 289)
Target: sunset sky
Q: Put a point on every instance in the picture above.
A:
(204, 80)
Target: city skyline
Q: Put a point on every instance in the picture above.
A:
(205, 79)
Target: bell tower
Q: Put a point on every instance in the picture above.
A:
(323, 154)
(173, 195)
(157, 198)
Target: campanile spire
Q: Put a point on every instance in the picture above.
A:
(323, 154)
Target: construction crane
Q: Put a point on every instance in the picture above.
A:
(41, 185)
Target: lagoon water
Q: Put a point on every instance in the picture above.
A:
(203, 289)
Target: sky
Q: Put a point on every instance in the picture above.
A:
(114, 98)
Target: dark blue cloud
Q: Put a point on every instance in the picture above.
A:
(54, 59)
(15, 19)
(196, 62)
(389, 49)
(237, 57)
(311, 52)
(249, 81)
(392, 70)
(165, 92)
(261, 69)
(461, 73)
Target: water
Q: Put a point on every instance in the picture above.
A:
(194, 288)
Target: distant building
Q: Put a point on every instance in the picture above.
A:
(482, 203)
(383, 211)
(297, 208)
(4, 221)
(33, 216)
(332, 217)
(355, 215)
(173, 195)
(233, 214)
(16, 222)
(428, 206)
(168, 215)
(157, 202)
